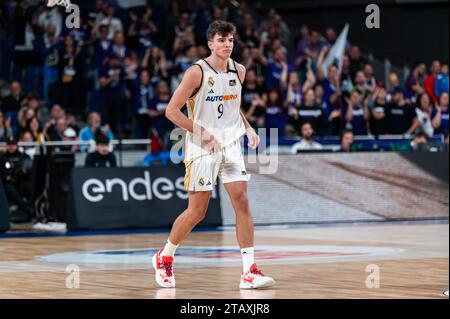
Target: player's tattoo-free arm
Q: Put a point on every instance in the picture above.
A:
(190, 82)
(253, 138)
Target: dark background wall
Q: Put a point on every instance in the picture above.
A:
(410, 30)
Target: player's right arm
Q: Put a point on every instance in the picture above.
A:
(189, 84)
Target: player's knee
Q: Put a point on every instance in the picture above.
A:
(241, 203)
(197, 214)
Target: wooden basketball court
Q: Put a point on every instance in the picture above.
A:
(410, 260)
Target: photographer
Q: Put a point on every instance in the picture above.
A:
(15, 171)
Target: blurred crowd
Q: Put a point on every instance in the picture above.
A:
(115, 75)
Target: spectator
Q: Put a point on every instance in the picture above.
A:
(112, 82)
(393, 82)
(362, 86)
(369, 73)
(102, 47)
(5, 128)
(51, 16)
(275, 112)
(356, 114)
(102, 157)
(346, 78)
(442, 107)
(347, 139)
(87, 134)
(113, 23)
(34, 127)
(25, 114)
(356, 60)
(15, 168)
(156, 63)
(57, 135)
(27, 137)
(275, 67)
(12, 104)
(430, 79)
(428, 118)
(143, 94)
(293, 99)
(142, 32)
(319, 97)
(399, 114)
(69, 68)
(118, 47)
(441, 84)
(307, 143)
(50, 50)
(420, 138)
(377, 107)
(157, 109)
(414, 82)
(312, 113)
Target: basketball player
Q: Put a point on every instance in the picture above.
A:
(212, 89)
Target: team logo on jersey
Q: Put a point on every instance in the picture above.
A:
(210, 81)
(201, 182)
(220, 98)
(232, 82)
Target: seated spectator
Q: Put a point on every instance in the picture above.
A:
(102, 157)
(377, 107)
(441, 84)
(356, 114)
(34, 127)
(307, 143)
(5, 127)
(399, 114)
(442, 107)
(27, 137)
(15, 172)
(420, 138)
(428, 118)
(430, 79)
(347, 139)
(87, 134)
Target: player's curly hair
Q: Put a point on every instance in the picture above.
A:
(222, 28)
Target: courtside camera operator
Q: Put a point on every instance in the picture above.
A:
(15, 172)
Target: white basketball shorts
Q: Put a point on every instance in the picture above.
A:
(228, 164)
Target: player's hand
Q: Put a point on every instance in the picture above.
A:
(253, 138)
(210, 141)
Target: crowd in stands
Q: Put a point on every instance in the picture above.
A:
(117, 72)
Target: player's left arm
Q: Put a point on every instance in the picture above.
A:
(253, 138)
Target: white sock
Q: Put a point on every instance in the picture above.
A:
(169, 249)
(247, 258)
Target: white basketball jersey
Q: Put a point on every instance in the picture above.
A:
(216, 107)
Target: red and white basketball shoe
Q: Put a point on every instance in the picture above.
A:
(254, 279)
(164, 270)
